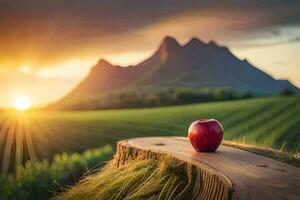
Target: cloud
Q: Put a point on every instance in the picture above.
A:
(268, 44)
(45, 33)
(52, 43)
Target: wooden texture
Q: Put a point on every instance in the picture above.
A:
(228, 173)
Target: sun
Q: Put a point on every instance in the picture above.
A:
(22, 103)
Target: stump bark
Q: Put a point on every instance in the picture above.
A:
(228, 173)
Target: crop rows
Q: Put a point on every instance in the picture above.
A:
(272, 122)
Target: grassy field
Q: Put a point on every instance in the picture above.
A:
(272, 122)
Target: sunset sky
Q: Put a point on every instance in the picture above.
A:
(47, 47)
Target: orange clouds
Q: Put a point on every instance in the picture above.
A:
(50, 45)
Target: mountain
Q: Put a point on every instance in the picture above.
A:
(195, 64)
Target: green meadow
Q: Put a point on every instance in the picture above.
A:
(51, 140)
(268, 122)
(271, 122)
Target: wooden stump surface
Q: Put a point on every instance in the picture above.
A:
(242, 175)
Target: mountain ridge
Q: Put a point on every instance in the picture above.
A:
(195, 64)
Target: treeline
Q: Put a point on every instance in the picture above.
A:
(165, 97)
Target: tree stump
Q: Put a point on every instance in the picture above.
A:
(228, 173)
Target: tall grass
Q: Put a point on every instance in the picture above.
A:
(164, 178)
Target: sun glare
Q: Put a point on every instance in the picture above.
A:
(22, 103)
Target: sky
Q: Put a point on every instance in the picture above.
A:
(47, 47)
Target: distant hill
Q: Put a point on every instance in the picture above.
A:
(194, 65)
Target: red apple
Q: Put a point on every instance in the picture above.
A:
(206, 135)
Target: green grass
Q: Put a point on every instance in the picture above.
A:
(39, 180)
(265, 122)
(162, 179)
(268, 122)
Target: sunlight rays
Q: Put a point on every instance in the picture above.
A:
(30, 136)
(16, 141)
(28, 141)
(8, 149)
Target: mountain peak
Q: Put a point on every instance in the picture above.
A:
(104, 63)
(168, 47)
(195, 42)
(100, 65)
(200, 65)
(169, 40)
(169, 43)
(220, 48)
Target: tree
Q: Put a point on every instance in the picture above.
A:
(287, 91)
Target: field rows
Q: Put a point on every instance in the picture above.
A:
(272, 122)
